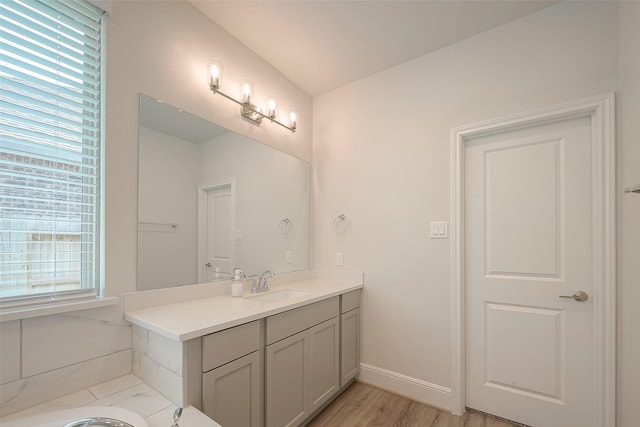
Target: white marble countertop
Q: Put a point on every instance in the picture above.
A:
(194, 318)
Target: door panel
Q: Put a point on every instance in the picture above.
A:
(528, 241)
(537, 343)
(531, 171)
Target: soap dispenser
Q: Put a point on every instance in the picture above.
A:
(237, 284)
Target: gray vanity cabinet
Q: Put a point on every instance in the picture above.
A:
(302, 362)
(349, 336)
(232, 376)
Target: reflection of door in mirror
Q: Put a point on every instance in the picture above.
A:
(216, 208)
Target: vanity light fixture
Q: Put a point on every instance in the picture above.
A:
(248, 110)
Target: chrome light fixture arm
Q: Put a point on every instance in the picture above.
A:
(250, 111)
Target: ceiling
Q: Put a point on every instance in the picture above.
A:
(165, 118)
(322, 44)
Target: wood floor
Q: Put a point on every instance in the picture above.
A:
(362, 405)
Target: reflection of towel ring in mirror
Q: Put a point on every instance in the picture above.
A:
(285, 226)
(340, 224)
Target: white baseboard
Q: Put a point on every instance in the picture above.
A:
(415, 389)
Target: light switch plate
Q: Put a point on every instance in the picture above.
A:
(439, 230)
(339, 259)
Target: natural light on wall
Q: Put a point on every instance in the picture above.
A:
(50, 150)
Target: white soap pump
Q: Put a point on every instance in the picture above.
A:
(237, 284)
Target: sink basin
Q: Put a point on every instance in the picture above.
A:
(278, 295)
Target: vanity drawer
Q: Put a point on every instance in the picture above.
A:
(350, 300)
(290, 322)
(230, 344)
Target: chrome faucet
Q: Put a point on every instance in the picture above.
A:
(263, 286)
(176, 417)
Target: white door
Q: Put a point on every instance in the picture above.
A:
(528, 242)
(215, 234)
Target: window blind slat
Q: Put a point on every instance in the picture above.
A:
(45, 199)
(15, 29)
(33, 83)
(31, 52)
(43, 72)
(65, 149)
(13, 122)
(44, 19)
(48, 111)
(71, 16)
(39, 181)
(20, 241)
(88, 170)
(27, 86)
(17, 113)
(62, 131)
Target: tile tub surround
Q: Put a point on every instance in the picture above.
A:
(46, 357)
(128, 392)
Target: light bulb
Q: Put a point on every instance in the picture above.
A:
(214, 74)
(293, 120)
(246, 88)
(271, 107)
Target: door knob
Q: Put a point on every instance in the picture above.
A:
(578, 296)
(208, 264)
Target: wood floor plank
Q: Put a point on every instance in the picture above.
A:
(445, 419)
(362, 405)
(358, 400)
(417, 414)
(351, 396)
(386, 410)
(476, 420)
(496, 422)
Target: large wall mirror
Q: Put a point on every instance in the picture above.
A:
(210, 200)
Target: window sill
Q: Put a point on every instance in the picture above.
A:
(55, 308)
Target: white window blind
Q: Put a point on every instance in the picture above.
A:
(50, 144)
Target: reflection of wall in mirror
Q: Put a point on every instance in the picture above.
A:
(167, 179)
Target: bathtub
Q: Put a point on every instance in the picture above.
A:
(65, 416)
(191, 417)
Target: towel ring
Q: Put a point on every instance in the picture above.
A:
(340, 224)
(285, 226)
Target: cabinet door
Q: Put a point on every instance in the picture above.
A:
(350, 346)
(232, 393)
(324, 370)
(287, 371)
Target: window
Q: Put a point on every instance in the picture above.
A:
(50, 149)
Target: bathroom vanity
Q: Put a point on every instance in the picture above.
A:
(269, 359)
